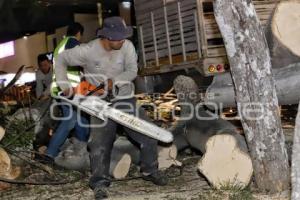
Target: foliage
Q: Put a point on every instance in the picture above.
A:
(17, 135)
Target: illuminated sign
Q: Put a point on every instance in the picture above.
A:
(7, 49)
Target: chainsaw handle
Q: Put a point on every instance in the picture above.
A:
(99, 87)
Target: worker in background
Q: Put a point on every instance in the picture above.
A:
(69, 118)
(110, 59)
(43, 77)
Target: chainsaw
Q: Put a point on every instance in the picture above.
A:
(85, 100)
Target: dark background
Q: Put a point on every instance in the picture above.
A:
(25, 17)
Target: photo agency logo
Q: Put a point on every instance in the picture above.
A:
(192, 105)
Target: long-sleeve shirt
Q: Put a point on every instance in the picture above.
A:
(43, 82)
(100, 65)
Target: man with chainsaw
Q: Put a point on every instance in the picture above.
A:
(110, 59)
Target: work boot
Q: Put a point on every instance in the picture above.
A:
(49, 161)
(158, 178)
(100, 192)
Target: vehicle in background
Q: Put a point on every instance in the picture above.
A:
(176, 34)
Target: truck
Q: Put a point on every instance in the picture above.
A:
(181, 34)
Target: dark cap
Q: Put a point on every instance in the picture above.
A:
(114, 28)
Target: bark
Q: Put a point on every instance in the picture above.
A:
(249, 59)
(198, 133)
(296, 160)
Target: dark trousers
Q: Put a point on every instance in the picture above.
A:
(101, 143)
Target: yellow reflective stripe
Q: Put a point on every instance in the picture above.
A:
(62, 48)
(73, 77)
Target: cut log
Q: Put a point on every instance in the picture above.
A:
(5, 164)
(186, 89)
(123, 153)
(281, 34)
(224, 163)
(167, 157)
(124, 146)
(2, 132)
(222, 148)
(6, 168)
(166, 154)
(74, 155)
(211, 135)
(119, 165)
(198, 132)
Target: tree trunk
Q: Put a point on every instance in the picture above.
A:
(296, 160)
(249, 59)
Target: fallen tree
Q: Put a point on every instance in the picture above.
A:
(225, 154)
(74, 155)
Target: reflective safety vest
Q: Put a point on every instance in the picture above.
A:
(73, 73)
